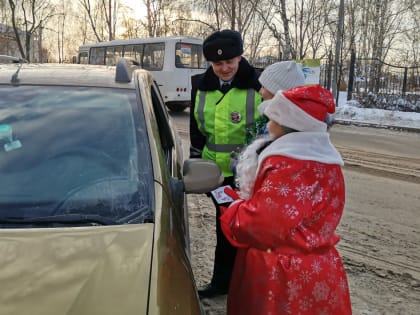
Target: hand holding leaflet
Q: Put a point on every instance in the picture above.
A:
(231, 193)
(220, 195)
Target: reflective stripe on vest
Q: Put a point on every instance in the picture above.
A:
(224, 147)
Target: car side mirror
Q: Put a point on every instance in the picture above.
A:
(201, 176)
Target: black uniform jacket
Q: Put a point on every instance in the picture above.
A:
(245, 78)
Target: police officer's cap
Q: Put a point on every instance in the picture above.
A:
(223, 45)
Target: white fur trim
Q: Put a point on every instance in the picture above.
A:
(246, 169)
(310, 146)
(288, 114)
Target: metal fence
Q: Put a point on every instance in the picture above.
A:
(372, 82)
(376, 84)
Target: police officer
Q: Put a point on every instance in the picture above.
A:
(224, 106)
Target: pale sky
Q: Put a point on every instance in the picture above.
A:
(136, 5)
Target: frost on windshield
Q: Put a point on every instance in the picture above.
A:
(68, 150)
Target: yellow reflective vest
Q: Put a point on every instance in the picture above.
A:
(224, 120)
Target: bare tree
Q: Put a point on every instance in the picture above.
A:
(27, 17)
(212, 9)
(157, 19)
(91, 15)
(102, 16)
(298, 26)
(255, 37)
(268, 12)
(233, 14)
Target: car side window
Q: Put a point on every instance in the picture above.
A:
(162, 117)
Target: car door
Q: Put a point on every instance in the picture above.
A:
(176, 290)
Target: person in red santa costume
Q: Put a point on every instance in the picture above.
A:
(289, 204)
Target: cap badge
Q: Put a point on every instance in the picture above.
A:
(235, 117)
(219, 52)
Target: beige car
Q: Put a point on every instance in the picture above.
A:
(93, 218)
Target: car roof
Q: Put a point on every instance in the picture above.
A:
(119, 76)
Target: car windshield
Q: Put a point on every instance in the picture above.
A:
(70, 155)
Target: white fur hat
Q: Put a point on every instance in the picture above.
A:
(302, 108)
(282, 76)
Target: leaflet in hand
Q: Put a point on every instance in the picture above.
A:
(220, 195)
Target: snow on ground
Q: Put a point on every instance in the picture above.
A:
(348, 111)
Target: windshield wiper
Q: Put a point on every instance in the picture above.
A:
(90, 219)
(141, 215)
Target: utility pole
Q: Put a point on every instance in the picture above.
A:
(340, 27)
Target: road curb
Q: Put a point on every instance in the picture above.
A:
(373, 125)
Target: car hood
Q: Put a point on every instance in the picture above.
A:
(95, 270)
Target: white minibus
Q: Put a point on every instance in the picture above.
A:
(171, 60)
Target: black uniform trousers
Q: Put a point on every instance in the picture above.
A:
(224, 256)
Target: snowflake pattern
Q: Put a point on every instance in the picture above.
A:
(283, 190)
(295, 263)
(333, 181)
(305, 303)
(317, 196)
(319, 171)
(326, 230)
(312, 240)
(334, 300)
(321, 291)
(303, 193)
(267, 186)
(305, 276)
(291, 211)
(296, 177)
(293, 289)
(316, 267)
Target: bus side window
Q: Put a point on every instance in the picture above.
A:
(129, 53)
(178, 62)
(191, 56)
(197, 58)
(83, 58)
(97, 55)
(138, 52)
(146, 63)
(154, 52)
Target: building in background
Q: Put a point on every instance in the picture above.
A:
(9, 46)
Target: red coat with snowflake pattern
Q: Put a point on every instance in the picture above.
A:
(286, 261)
